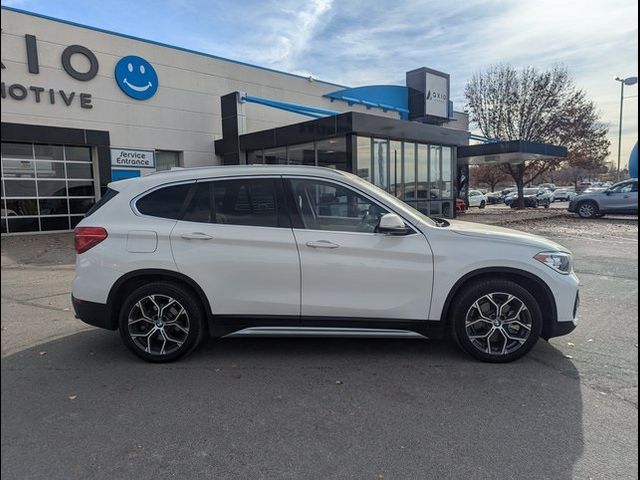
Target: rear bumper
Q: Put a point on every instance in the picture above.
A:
(95, 314)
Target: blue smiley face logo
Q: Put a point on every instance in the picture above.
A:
(136, 77)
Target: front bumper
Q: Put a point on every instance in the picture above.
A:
(572, 206)
(95, 314)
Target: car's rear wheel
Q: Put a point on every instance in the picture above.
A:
(496, 321)
(588, 210)
(161, 322)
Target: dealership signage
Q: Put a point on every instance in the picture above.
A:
(437, 95)
(134, 75)
(129, 158)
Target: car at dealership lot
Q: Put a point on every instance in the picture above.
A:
(494, 198)
(548, 186)
(477, 199)
(533, 198)
(564, 194)
(619, 199)
(169, 257)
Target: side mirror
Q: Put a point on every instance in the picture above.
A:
(392, 224)
(608, 192)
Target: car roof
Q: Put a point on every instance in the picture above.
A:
(195, 173)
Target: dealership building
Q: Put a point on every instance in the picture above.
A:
(82, 107)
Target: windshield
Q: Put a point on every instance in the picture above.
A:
(406, 208)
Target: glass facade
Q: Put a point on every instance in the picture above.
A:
(45, 187)
(330, 153)
(420, 174)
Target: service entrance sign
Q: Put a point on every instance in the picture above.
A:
(129, 158)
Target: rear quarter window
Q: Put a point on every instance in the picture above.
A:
(108, 195)
(165, 202)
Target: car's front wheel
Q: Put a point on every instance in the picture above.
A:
(496, 321)
(483, 204)
(161, 322)
(588, 210)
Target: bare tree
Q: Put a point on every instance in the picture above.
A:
(538, 106)
(491, 175)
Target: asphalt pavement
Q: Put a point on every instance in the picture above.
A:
(77, 404)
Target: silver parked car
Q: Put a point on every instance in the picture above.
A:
(620, 199)
(565, 194)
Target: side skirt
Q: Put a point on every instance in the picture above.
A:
(267, 325)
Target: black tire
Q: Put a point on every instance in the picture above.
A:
(547, 205)
(464, 305)
(483, 204)
(588, 209)
(190, 319)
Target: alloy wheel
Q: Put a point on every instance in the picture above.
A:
(158, 324)
(587, 210)
(498, 323)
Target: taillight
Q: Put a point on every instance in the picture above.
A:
(85, 238)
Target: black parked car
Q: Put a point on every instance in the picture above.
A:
(533, 197)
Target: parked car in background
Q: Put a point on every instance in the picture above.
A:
(533, 198)
(564, 194)
(171, 257)
(477, 199)
(509, 190)
(494, 198)
(620, 199)
(550, 186)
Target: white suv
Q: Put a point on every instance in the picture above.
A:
(174, 256)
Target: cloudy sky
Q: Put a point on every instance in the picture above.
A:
(359, 42)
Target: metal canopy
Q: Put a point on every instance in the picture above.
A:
(514, 152)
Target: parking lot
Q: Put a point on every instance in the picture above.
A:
(77, 404)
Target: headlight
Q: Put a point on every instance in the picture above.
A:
(559, 261)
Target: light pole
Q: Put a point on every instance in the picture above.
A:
(623, 81)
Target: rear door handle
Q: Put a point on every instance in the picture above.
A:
(196, 236)
(322, 244)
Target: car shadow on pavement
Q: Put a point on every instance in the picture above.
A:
(84, 407)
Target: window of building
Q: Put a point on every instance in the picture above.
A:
(329, 206)
(381, 163)
(435, 172)
(332, 153)
(303, 154)
(255, 157)
(447, 173)
(395, 168)
(276, 156)
(166, 160)
(409, 189)
(165, 202)
(363, 158)
(45, 187)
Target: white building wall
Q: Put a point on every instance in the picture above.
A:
(183, 115)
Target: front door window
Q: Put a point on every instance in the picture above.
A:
(330, 206)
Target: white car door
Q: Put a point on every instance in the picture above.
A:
(235, 240)
(349, 270)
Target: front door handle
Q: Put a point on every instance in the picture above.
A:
(322, 244)
(196, 236)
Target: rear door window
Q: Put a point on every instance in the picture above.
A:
(247, 201)
(250, 201)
